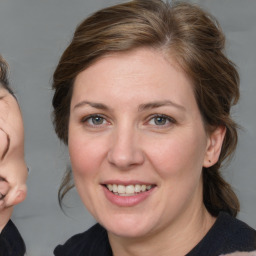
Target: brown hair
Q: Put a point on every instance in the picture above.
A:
(4, 70)
(183, 31)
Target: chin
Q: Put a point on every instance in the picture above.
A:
(128, 227)
(128, 232)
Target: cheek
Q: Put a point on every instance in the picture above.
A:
(178, 155)
(86, 155)
(178, 162)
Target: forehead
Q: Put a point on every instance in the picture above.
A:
(132, 73)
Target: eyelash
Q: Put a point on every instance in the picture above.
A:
(87, 119)
(168, 121)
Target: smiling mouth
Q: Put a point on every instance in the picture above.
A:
(129, 190)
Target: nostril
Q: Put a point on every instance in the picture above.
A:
(125, 161)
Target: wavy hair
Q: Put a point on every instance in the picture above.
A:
(182, 31)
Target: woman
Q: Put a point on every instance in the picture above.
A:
(142, 99)
(13, 169)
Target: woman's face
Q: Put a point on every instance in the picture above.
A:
(135, 128)
(13, 169)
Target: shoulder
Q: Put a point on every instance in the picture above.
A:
(227, 235)
(94, 241)
(11, 242)
(236, 231)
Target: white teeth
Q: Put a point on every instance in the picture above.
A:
(137, 188)
(110, 187)
(121, 189)
(115, 188)
(128, 190)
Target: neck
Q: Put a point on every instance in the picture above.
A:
(177, 239)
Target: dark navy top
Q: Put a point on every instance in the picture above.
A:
(227, 235)
(11, 242)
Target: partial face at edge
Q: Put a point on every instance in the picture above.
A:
(134, 121)
(13, 169)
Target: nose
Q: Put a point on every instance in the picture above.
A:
(125, 151)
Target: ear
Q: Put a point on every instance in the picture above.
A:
(214, 145)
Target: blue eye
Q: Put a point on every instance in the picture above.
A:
(94, 120)
(161, 120)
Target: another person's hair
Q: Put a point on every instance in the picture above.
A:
(178, 30)
(4, 72)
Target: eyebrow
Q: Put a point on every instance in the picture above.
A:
(92, 104)
(158, 104)
(142, 107)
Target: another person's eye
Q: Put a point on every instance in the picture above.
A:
(161, 120)
(94, 120)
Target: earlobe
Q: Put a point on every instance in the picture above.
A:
(214, 145)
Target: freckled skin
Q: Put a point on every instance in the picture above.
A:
(13, 169)
(128, 144)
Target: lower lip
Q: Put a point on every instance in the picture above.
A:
(127, 201)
